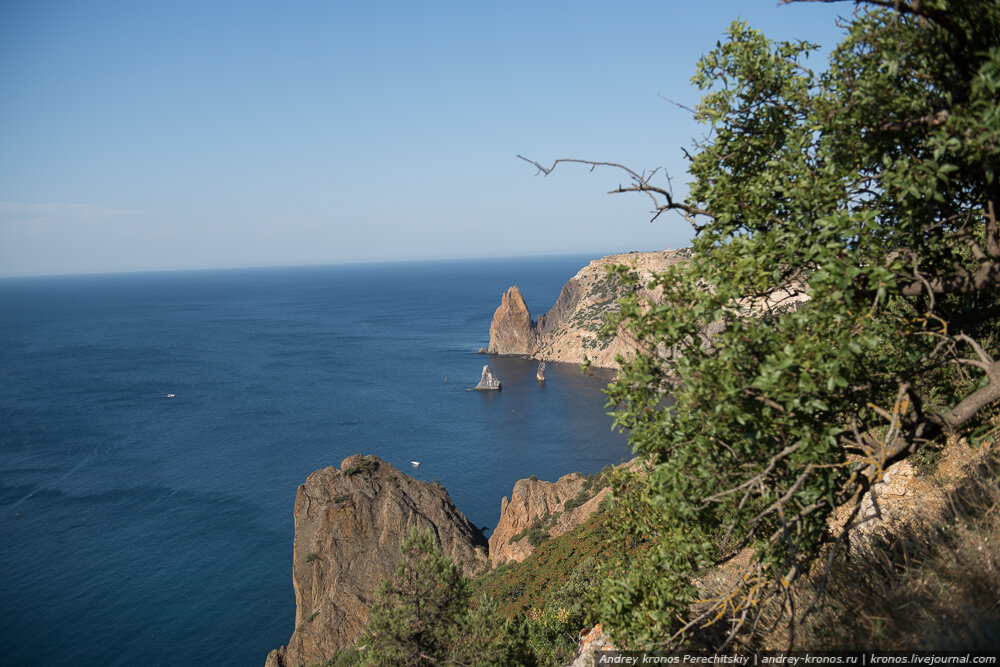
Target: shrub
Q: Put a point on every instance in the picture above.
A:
(365, 466)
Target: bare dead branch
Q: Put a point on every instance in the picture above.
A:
(640, 184)
(678, 104)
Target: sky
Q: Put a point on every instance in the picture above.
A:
(185, 135)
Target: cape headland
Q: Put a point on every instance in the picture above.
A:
(568, 332)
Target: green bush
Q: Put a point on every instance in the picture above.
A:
(426, 614)
(365, 466)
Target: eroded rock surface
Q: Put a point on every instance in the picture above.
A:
(349, 526)
(489, 380)
(569, 330)
(512, 330)
(533, 499)
(590, 642)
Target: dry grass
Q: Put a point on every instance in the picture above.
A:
(933, 583)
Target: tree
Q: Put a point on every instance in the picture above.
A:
(840, 311)
(425, 615)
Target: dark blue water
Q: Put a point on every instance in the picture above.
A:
(137, 529)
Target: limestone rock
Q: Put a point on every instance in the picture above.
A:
(489, 381)
(349, 526)
(568, 332)
(540, 373)
(560, 313)
(530, 499)
(512, 330)
(591, 640)
(533, 499)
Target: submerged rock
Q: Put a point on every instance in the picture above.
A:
(489, 381)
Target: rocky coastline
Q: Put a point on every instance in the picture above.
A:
(568, 332)
(351, 521)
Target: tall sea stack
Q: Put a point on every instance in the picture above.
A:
(512, 330)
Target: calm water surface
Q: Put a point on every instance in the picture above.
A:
(142, 529)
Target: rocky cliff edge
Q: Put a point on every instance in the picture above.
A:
(549, 509)
(349, 526)
(568, 331)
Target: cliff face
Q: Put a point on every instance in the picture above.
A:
(349, 526)
(532, 499)
(568, 331)
(512, 330)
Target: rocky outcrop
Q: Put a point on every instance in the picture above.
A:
(540, 373)
(512, 330)
(568, 332)
(903, 498)
(590, 642)
(349, 526)
(563, 505)
(562, 311)
(489, 381)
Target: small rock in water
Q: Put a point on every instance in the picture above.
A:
(489, 381)
(482, 350)
(540, 374)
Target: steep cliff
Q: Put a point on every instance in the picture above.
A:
(512, 330)
(568, 331)
(547, 509)
(349, 526)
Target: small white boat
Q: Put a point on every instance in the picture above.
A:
(414, 463)
(170, 395)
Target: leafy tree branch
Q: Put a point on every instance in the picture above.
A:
(840, 310)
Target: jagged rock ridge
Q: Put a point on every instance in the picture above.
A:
(568, 331)
(534, 499)
(349, 526)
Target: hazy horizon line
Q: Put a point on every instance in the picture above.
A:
(318, 264)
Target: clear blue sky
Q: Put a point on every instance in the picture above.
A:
(168, 135)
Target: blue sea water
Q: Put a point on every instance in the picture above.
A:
(142, 529)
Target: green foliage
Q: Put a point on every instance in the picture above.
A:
(365, 466)
(522, 586)
(870, 189)
(311, 557)
(548, 595)
(426, 614)
(346, 657)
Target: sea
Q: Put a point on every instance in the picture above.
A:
(154, 428)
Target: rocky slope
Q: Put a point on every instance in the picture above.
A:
(568, 331)
(558, 507)
(349, 526)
